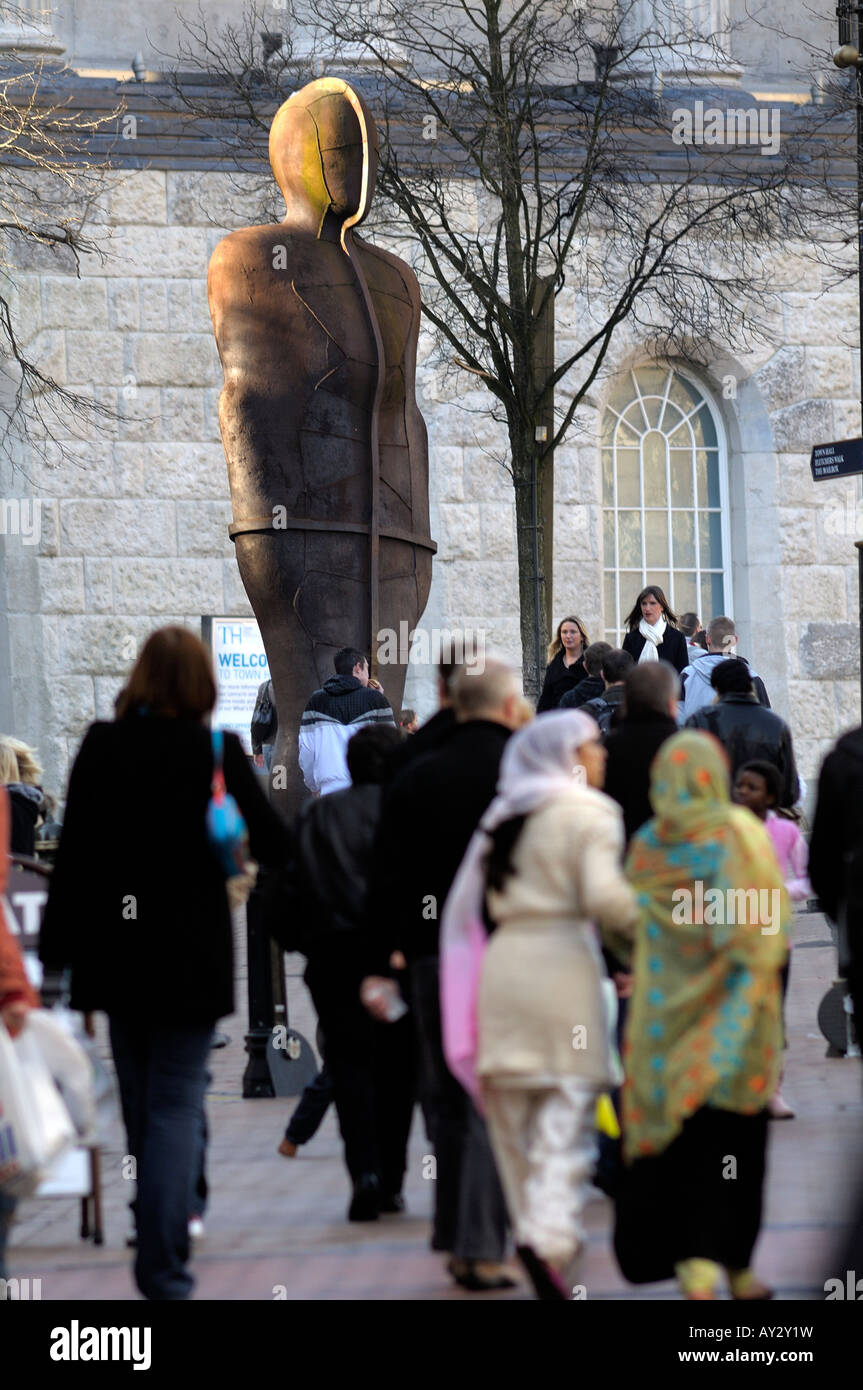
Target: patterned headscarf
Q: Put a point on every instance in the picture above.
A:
(705, 1018)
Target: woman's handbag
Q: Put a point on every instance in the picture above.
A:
(226, 829)
(264, 721)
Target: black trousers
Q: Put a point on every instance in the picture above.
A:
(311, 1108)
(470, 1217)
(373, 1070)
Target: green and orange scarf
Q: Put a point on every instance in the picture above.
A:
(705, 1025)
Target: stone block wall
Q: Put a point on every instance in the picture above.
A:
(134, 517)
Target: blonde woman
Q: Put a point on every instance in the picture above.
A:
(565, 663)
(25, 800)
(30, 770)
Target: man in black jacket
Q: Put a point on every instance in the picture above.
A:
(435, 730)
(836, 874)
(607, 709)
(836, 853)
(440, 798)
(747, 731)
(371, 1063)
(649, 718)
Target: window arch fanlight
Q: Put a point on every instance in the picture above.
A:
(665, 497)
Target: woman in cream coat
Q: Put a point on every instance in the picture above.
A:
(547, 860)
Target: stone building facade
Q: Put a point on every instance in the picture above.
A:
(134, 529)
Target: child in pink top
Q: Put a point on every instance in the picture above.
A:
(757, 787)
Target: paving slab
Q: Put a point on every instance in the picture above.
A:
(277, 1228)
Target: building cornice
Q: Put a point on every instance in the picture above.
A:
(155, 129)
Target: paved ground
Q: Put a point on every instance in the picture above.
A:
(277, 1228)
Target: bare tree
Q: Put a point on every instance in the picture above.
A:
(48, 190)
(239, 72)
(527, 147)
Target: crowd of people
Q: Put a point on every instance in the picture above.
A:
(595, 903)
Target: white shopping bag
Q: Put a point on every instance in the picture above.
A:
(101, 1093)
(68, 1063)
(35, 1125)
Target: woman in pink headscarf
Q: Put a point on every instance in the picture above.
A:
(543, 870)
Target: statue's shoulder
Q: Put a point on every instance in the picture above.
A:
(391, 264)
(249, 244)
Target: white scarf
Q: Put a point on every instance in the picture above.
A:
(652, 638)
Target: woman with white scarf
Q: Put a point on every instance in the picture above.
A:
(653, 632)
(525, 1025)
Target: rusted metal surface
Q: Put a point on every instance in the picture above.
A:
(326, 448)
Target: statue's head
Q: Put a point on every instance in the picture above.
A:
(324, 150)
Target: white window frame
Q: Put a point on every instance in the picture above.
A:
(708, 399)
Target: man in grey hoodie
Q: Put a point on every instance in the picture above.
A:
(697, 690)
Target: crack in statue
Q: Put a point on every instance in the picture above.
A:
(326, 448)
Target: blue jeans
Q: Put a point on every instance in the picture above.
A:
(162, 1074)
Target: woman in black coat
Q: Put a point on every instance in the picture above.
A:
(653, 632)
(26, 801)
(138, 909)
(565, 663)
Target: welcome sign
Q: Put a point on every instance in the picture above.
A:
(240, 664)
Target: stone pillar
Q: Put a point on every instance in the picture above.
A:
(29, 31)
(683, 41)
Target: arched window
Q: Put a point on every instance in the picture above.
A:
(665, 497)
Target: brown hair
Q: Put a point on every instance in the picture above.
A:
(649, 688)
(173, 676)
(556, 645)
(720, 631)
(634, 618)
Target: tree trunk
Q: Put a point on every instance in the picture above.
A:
(533, 611)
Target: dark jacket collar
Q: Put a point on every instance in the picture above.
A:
(650, 719)
(341, 685)
(469, 728)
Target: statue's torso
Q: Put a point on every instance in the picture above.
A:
(301, 373)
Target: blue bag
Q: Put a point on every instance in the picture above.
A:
(226, 829)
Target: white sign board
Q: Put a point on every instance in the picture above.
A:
(241, 664)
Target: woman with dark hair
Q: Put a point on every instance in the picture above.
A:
(565, 663)
(138, 909)
(653, 632)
